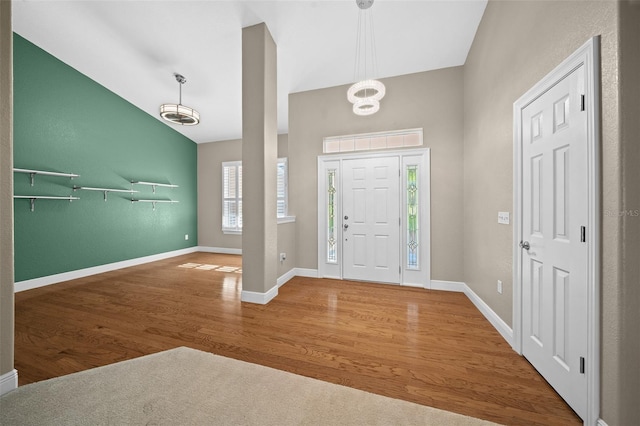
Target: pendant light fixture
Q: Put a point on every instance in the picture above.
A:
(178, 113)
(365, 95)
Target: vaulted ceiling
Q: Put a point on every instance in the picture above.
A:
(134, 47)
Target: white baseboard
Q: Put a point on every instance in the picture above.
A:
(81, 273)
(601, 422)
(304, 272)
(490, 315)
(259, 298)
(221, 250)
(8, 381)
(282, 280)
(448, 286)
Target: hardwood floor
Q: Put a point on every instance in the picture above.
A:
(430, 347)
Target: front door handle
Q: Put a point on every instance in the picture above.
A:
(346, 226)
(525, 245)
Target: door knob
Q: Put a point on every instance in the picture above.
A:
(346, 226)
(346, 217)
(525, 245)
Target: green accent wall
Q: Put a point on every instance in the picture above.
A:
(66, 122)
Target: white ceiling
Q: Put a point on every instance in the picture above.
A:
(134, 47)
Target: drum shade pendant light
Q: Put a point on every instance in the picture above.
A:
(365, 95)
(178, 113)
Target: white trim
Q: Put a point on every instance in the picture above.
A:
(589, 56)
(231, 231)
(382, 133)
(456, 286)
(283, 279)
(220, 250)
(422, 157)
(304, 272)
(81, 273)
(502, 327)
(296, 272)
(8, 381)
(601, 422)
(259, 298)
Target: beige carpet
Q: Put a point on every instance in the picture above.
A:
(184, 386)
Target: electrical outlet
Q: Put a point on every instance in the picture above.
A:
(499, 286)
(283, 257)
(186, 237)
(503, 218)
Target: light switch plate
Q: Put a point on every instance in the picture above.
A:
(503, 218)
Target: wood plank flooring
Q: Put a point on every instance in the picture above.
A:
(429, 347)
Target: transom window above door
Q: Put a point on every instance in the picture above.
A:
(373, 141)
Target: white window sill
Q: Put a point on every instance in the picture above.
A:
(286, 219)
(232, 232)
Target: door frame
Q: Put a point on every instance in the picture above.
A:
(422, 157)
(588, 55)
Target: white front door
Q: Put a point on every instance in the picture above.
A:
(554, 253)
(371, 219)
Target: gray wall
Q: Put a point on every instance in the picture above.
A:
(628, 316)
(429, 100)
(210, 158)
(6, 190)
(518, 43)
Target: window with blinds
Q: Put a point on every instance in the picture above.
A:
(232, 194)
(281, 190)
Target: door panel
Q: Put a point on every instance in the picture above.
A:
(371, 209)
(554, 194)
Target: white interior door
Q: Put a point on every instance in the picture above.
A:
(371, 219)
(554, 254)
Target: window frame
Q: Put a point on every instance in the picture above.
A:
(285, 218)
(285, 198)
(237, 198)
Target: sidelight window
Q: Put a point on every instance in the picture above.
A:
(413, 216)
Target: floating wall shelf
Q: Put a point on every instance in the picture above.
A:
(104, 190)
(33, 173)
(33, 198)
(153, 184)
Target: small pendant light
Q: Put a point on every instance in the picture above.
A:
(178, 113)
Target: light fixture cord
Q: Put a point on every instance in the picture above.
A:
(365, 31)
(180, 85)
(356, 61)
(374, 56)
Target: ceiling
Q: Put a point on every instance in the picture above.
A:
(134, 47)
